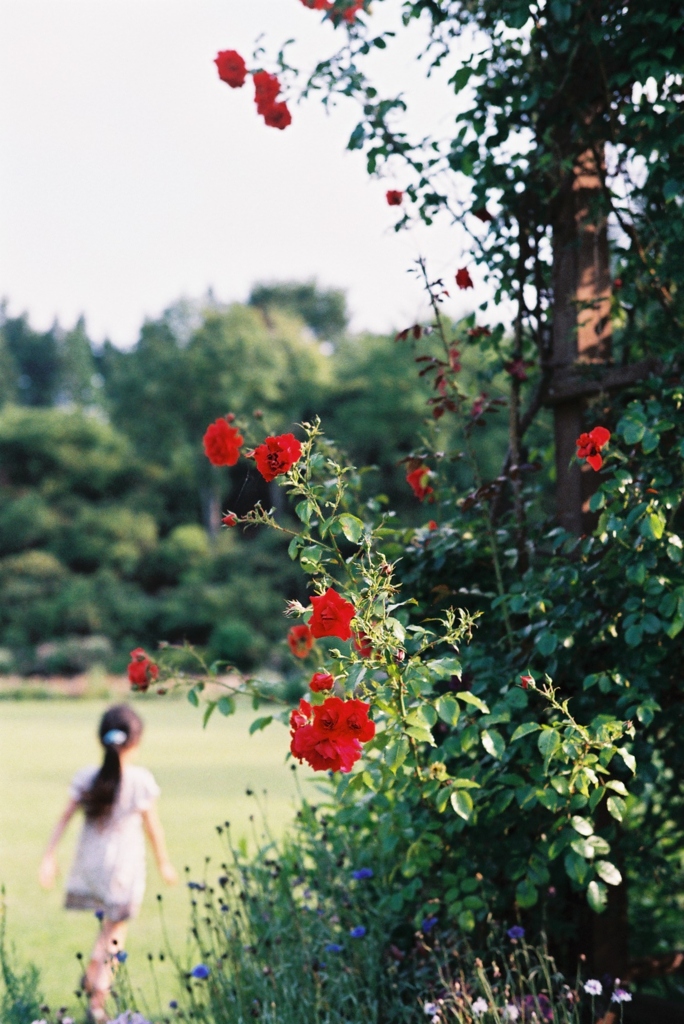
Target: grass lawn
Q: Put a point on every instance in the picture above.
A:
(203, 776)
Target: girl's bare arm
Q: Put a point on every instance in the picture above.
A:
(155, 833)
(47, 873)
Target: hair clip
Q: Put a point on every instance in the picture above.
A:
(114, 738)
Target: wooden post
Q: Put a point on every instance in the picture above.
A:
(581, 320)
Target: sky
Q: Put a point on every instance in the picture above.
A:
(130, 176)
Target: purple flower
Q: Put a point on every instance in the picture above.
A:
(201, 971)
(122, 956)
(362, 873)
(99, 914)
(429, 923)
(621, 995)
(593, 987)
(358, 932)
(538, 1004)
(173, 1004)
(516, 932)
(334, 947)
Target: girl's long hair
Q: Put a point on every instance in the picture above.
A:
(120, 728)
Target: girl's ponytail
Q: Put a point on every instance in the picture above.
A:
(120, 728)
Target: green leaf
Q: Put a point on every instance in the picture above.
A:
(649, 441)
(422, 735)
(395, 753)
(469, 698)
(597, 896)
(548, 743)
(493, 742)
(352, 527)
(464, 784)
(546, 642)
(617, 787)
(652, 526)
(208, 712)
(293, 547)
(193, 697)
(628, 758)
(608, 872)
(633, 431)
(583, 848)
(260, 723)
(524, 730)
(448, 709)
(304, 510)
(617, 807)
(582, 825)
(526, 894)
(462, 803)
(226, 705)
(466, 920)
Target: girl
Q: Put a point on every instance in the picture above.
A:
(108, 873)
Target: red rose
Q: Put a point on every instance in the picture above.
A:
(329, 737)
(351, 12)
(418, 481)
(432, 525)
(321, 681)
(277, 455)
(222, 443)
(231, 68)
(318, 5)
(230, 520)
(463, 279)
(266, 88)
(394, 197)
(278, 116)
(516, 368)
(362, 645)
(332, 614)
(589, 446)
(141, 671)
(300, 640)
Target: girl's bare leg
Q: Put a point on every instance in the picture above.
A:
(98, 978)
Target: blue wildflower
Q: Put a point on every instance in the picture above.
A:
(516, 932)
(224, 908)
(99, 914)
(122, 956)
(362, 873)
(201, 972)
(334, 947)
(173, 1004)
(429, 923)
(358, 932)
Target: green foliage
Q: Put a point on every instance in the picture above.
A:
(20, 997)
(324, 311)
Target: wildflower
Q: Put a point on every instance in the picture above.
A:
(429, 923)
(463, 279)
(394, 197)
(334, 947)
(430, 1009)
(432, 525)
(99, 914)
(538, 1004)
(510, 1012)
(359, 931)
(516, 932)
(277, 455)
(589, 446)
(321, 681)
(222, 443)
(318, 5)
(480, 1006)
(332, 615)
(621, 995)
(173, 1004)
(417, 480)
(231, 68)
(362, 873)
(201, 971)
(121, 956)
(141, 672)
(300, 641)
(593, 987)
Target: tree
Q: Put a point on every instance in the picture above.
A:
(323, 310)
(566, 170)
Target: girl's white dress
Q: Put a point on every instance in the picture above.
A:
(108, 873)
